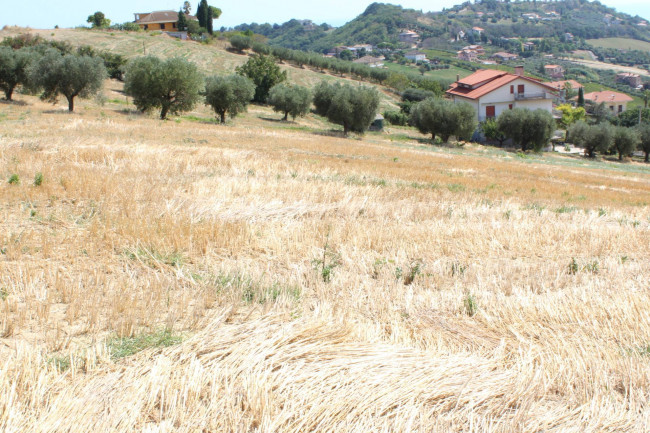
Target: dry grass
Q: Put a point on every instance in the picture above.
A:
(469, 289)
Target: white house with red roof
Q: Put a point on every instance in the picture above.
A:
(491, 92)
(616, 102)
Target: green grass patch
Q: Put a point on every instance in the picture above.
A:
(123, 347)
(620, 44)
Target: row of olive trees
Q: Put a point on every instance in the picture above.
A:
(605, 138)
(51, 73)
(528, 129)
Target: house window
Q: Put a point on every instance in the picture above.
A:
(620, 108)
(146, 27)
(509, 106)
(162, 26)
(490, 111)
(512, 89)
(173, 25)
(520, 88)
(611, 108)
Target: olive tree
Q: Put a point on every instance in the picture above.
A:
(14, 67)
(172, 85)
(69, 75)
(644, 140)
(323, 94)
(528, 129)
(264, 72)
(625, 141)
(444, 118)
(290, 99)
(240, 43)
(591, 138)
(228, 95)
(354, 108)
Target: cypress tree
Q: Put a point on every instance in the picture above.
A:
(203, 14)
(182, 21)
(581, 97)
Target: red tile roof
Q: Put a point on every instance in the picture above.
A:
(161, 17)
(492, 80)
(560, 84)
(607, 96)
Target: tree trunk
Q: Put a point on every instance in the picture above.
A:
(620, 156)
(647, 157)
(286, 116)
(445, 138)
(346, 129)
(163, 112)
(9, 93)
(70, 103)
(223, 117)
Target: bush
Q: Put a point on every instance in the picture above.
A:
(529, 129)
(416, 95)
(229, 95)
(264, 73)
(38, 179)
(445, 118)
(68, 75)
(14, 179)
(396, 118)
(240, 43)
(172, 85)
(290, 100)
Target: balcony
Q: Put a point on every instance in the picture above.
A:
(531, 95)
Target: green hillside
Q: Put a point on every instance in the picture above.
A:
(620, 44)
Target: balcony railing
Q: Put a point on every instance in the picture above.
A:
(530, 95)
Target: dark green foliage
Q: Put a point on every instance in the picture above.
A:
(38, 179)
(581, 97)
(631, 117)
(354, 107)
(240, 42)
(264, 72)
(182, 21)
(114, 64)
(206, 14)
(68, 75)
(98, 20)
(528, 129)
(396, 118)
(291, 100)
(591, 138)
(491, 131)
(14, 67)
(323, 94)
(444, 118)
(625, 141)
(644, 140)
(172, 85)
(416, 95)
(228, 95)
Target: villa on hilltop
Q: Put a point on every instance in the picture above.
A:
(166, 21)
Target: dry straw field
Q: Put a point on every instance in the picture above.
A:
(263, 276)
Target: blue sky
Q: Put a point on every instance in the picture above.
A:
(70, 13)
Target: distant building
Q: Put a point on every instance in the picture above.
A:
(503, 57)
(409, 37)
(563, 84)
(359, 47)
(633, 80)
(568, 37)
(554, 71)
(467, 55)
(160, 20)
(615, 101)
(373, 62)
(416, 56)
(528, 46)
(531, 16)
(492, 92)
(460, 35)
(477, 31)
(478, 49)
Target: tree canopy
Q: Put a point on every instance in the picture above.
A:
(69, 75)
(264, 72)
(98, 20)
(14, 66)
(172, 85)
(228, 95)
(528, 129)
(592, 138)
(437, 116)
(291, 100)
(625, 141)
(353, 107)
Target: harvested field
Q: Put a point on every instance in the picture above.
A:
(268, 276)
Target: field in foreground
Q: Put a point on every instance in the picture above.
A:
(269, 276)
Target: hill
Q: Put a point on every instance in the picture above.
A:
(383, 23)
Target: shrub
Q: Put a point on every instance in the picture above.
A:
(14, 179)
(396, 118)
(38, 179)
(229, 95)
(290, 100)
(240, 43)
(445, 118)
(416, 95)
(172, 85)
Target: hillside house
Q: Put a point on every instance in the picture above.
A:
(467, 55)
(491, 92)
(563, 84)
(166, 21)
(460, 35)
(632, 80)
(616, 102)
(478, 49)
(373, 62)
(568, 37)
(409, 37)
(416, 56)
(477, 31)
(501, 57)
(360, 47)
(554, 71)
(528, 46)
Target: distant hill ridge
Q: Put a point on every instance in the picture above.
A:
(532, 19)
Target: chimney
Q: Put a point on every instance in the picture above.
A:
(457, 77)
(519, 70)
